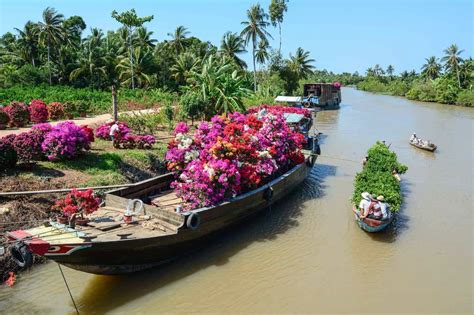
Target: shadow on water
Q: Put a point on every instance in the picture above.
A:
(105, 293)
(400, 222)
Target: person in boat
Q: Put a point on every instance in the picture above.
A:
(364, 204)
(396, 175)
(114, 129)
(413, 138)
(364, 160)
(375, 209)
(383, 207)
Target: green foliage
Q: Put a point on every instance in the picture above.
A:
(422, 91)
(398, 87)
(446, 90)
(372, 85)
(193, 104)
(466, 98)
(143, 123)
(376, 177)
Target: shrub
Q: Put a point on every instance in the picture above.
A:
(65, 141)
(89, 133)
(466, 98)
(55, 110)
(4, 119)
(193, 104)
(82, 107)
(8, 156)
(145, 142)
(398, 87)
(446, 90)
(103, 131)
(28, 146)
(70, 110)
(422, 91)
(82, 202)
(38, 111)
(372, 85)
(18, 113)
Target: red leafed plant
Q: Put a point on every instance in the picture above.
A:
(81, 202)
(55, 110)
(18, 113)
(89, 133)
(38, 111)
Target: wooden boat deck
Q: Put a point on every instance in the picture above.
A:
(167, 200)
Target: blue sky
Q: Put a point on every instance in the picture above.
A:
(342, 35)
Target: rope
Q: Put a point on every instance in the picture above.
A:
(68, 290)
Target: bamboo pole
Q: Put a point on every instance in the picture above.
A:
(64, 190)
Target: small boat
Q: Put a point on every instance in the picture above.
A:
(372, 225)
(116, 242)
(429, 147)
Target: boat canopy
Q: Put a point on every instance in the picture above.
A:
(292, 118)
(288, 99)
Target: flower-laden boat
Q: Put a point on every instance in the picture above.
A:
(157, 220)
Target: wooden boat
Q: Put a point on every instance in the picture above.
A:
(107, 245)
(431, 147)
(372, 225)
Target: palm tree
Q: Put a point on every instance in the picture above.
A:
(277, 9)
(253, 31)
(28, 42)
(177, 41)
(466, 72)
(431, 69)
(50, 32)
(378, 71)
(89, 63)
(452, 60)
(262, 54)
(231, 46)
(390, 70)
(184, 64)
(300, 63)
(140, 70)
(143, 38)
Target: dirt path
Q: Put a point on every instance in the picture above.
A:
(90, 121)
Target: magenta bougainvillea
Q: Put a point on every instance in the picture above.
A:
(103, 131)
(28, 146)
(230, 155)
(89, 132)
(55, 110)
(18, 113)
(65, 141)
(38, 111)
(76, 201)
(280, 109)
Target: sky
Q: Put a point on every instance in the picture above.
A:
(342, 35)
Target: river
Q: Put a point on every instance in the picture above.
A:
(307, 254)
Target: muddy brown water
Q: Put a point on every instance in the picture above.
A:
(307, 254)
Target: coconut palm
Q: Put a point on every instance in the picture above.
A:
(262, 54)
(231, 46)
(177, 42)
(378, 71)
(389, 71)
(452, 60)
(254, 30)
(140, 70)
(143, 38)
(277, 9)
(28, 42)
(431, 69)
(50, 32)
(185, 63)
(300, 63)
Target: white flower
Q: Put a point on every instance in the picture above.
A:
(264, 154)
(191, 155)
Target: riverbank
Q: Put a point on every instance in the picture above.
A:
(420, 90)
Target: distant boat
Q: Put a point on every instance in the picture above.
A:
(428, 147)
(372, 225)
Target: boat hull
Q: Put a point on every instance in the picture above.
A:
(430, 149)
(372, 225)
(126, 256)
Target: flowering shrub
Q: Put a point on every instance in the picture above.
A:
(28, 146)
(65, 141)
(55, 110)
(337, 84)
(38, 111)
(228, 156)
(145, 142)
(42, 129)
(4, 119)
(82, 202)
(103, 131)
(18, 113)
(8, 156)
(89, 133)
(279, 109)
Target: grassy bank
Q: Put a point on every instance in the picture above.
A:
(441, 90)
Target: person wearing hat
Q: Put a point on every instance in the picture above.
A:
(374, 211)
(383, 207)
(413, 138)
(364, 205)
